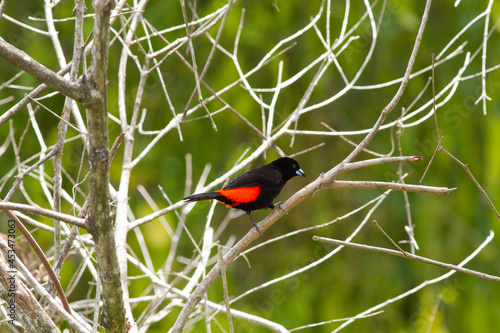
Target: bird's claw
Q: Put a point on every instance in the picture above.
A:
(254, 224)
(256, 227)
(279, 203)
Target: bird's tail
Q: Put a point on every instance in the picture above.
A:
(203, 196)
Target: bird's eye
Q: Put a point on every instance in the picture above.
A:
(294, 166)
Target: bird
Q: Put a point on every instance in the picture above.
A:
(255, 189)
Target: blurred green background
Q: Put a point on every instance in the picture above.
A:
(447, 228)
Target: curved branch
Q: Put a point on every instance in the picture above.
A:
(74, 90)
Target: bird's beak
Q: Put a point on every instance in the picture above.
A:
(300, 173)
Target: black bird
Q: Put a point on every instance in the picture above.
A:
(255, 189)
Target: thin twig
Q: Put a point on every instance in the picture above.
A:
(466, 168)
(389, 238)
(336, 321)
(387, 186)
(422, 285)
(408, 255)
(79, 222)
(440, 147)
(434, 312)
(42, 73)
(224, 287)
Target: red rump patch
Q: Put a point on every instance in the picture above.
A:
(242, 194)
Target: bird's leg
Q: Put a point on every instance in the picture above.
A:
(255, 225)
(279, 203)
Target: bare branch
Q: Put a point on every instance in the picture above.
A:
(99, 219)
(74, 90)
(401, 88)
(411, 256)
(226, 295)
(76, 221)
(422, 285)
(484, 97)
(387, 186)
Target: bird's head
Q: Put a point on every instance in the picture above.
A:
(289, 167)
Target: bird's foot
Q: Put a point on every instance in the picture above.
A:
(279, 203)
(254, 224)
(256, 227)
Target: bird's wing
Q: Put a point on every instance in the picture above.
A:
(266, 175)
